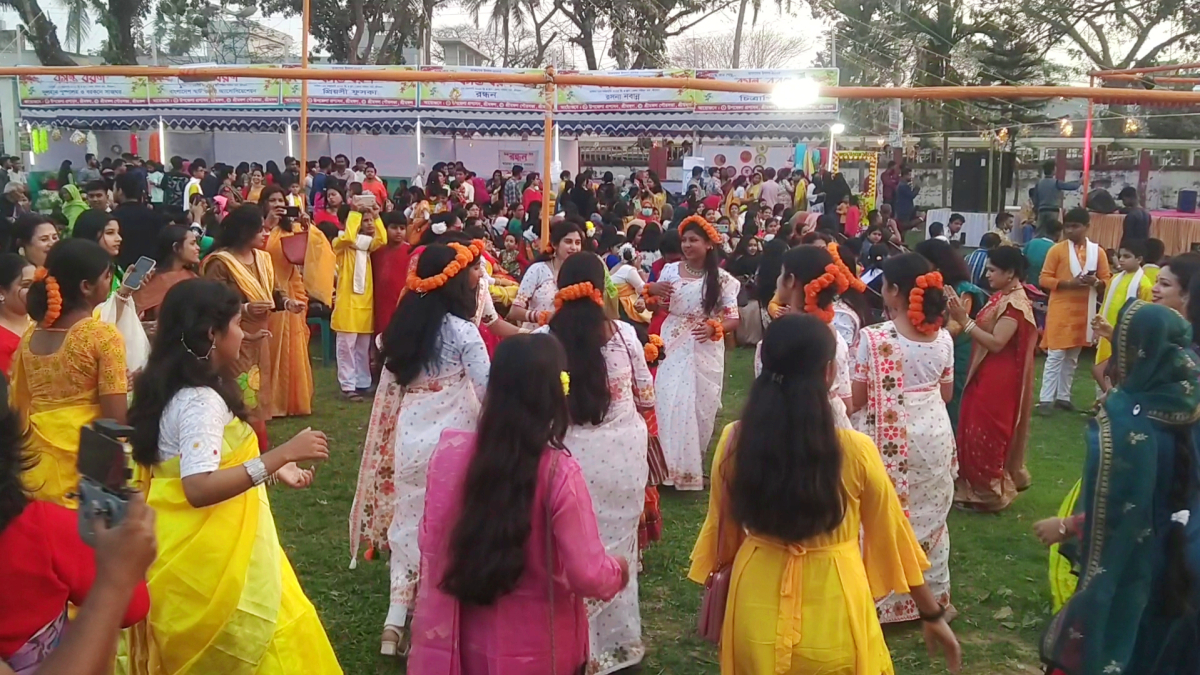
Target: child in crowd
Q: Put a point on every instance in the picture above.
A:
(389, 266)
(1129, 283)
(511, 259)
(853, 218)
(1155, 250)
(295, 196)
(354, 306)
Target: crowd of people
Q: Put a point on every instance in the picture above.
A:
(531, 392)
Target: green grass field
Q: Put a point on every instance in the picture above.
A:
(998, 569)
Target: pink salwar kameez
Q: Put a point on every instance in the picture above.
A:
(511, 636)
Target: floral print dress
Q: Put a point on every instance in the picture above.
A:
(906, 417)
(405, 425)
(537, 290)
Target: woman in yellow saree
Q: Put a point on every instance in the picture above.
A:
(301, 278)
(224, 598)
(70, 368)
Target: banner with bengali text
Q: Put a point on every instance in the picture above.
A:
(81, 90)
(723, 101)
(355, 93)
(481, 96)
(590, 98)
(218, 91)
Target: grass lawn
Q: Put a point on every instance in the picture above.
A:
(998, 569)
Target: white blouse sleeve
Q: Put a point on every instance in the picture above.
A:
(643, 381)
(841, 378)
(529, 283)
(197, 418)
(629, 275)
(472, 353)
(728, 304)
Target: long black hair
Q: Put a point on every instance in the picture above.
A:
(11, 268)
(853, 298)
(712, 269)
(946, 260)
(902, 271)
(770, 262)
(90, 225)
(786, 459)
(240, 227)
(806, 263)
(192, 314)
(524, 413)
(412, 340)
(581, 326)
(71, 262)
(15, 460)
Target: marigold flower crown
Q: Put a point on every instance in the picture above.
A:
(578, 291)
(709, 230)
(54, 302)
(464, 256)
(916, 303)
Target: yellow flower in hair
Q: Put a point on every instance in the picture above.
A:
(591, 228)
(566, 382)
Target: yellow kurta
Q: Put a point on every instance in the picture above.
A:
(224, 599)
(1115, 297)
(1067, 312)
(56, 394)
(355, 312)
(809, 607)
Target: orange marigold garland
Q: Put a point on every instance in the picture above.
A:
(813, 290)
(578, 291)
(54, 303)
(709, 230)
(848, 278)
(542, 318)
(464, 256)
(654, 350)
(718, 330)
(916, 304)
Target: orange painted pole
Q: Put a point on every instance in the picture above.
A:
(1087, 146)
(547, 152)
(1102, 74)
(304, 94)
(1170, 79)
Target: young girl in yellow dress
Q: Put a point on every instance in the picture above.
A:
(790, 495)
(223, 596)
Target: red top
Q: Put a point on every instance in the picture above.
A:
(45, 565)
(389, 265)
(377, 188)
(9, 341)
(323, 216)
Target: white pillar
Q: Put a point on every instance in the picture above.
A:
(10, 114)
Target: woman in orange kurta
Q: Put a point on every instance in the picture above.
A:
(292, 380)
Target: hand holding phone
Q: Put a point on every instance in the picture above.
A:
(136, 274)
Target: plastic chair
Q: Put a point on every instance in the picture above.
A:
(326, 353)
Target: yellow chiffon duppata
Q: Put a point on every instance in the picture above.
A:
(223, 597)
(809, 608)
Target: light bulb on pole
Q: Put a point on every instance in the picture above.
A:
(834, 129)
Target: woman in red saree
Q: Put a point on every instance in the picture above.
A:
(993, 427)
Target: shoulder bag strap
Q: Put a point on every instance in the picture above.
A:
(550, 557)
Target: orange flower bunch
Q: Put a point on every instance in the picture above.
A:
(54, 301)
(709, 230)
(718, 330)
(814, 288)
(465, 255)
(542, 318)
(916, 303)
(578, 291)
(653, 349)
(650, 299)
(847, 278)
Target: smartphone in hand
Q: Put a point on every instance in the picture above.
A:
(136, 274)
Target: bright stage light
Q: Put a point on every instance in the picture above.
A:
(794, 94)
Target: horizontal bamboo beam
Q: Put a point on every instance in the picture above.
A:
(541, 78)
(1151, 79)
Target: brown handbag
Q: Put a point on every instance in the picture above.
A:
(716, 592)
(295, 247)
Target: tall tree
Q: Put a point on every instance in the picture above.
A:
(762, 47)
(40, 31)
(641, 28)
(1007, 59)
(122, 19)
(358, 31)
(1118, 34)
(739, 27)
(79, 23)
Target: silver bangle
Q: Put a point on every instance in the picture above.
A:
(969, 327)
(257, 470)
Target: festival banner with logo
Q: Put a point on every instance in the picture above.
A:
(217, 91)
(367, 94)
(589, 98)
(81, 90)
(481, 96)
(723, 101)
(523, 158)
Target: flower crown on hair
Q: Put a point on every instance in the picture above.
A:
(814, 288)
(848, 278)
(709, 230)
(578, 292)
(54, 302)
(916, 303)
(464, 256)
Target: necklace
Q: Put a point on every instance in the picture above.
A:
(692, 270)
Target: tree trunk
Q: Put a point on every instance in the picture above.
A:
(505, 62)
(42, 33)
(122, 15)
(737, 35)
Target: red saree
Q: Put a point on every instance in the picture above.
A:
(993, 426)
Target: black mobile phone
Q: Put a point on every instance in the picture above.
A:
(292, 211)
(280, 303)
(104, 465)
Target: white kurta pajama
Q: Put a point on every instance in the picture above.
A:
(612, 456)
(690, 377)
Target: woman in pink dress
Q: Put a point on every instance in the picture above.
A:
(502, 559)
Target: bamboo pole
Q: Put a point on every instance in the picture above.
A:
(547, 150)
(1156, 80)
(304, 95)
(1087, 146)
(539, 79)
(1103, 74)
